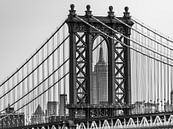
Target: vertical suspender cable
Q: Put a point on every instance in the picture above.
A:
(33, 107)
(18, 90)
(58, 63)
(14, 93)
(3, 99)
(148, 67)
(171, 78)
(64, 70)
(152, 73)
(135, 90)
(158, 79)
(53, 68)
(48, 81)
(168, 71)
(38, 78)
(155, 73)
(43, 76)
(136, 56)
(27, 90)
(165, 86)
(139, 70)
(143, 67)
(161, 81)
(23, 89)
(8, 96)
(132, 72)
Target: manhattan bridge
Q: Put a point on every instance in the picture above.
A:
(93, 72)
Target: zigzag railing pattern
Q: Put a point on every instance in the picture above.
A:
(158, 121)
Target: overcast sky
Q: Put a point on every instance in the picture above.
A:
(26, 24)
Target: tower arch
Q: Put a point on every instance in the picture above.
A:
(99, 74)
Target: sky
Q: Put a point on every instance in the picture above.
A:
(26, 24)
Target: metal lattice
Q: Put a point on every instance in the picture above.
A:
(81, 68)
(119, 73)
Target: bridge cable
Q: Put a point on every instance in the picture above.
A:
(131, 39)
(35, 97)
(151, 29)
(33, 54)
(45, 78)
(162, 67)
(34, 68)
(38, 84)
(149, 37)
(122, 42)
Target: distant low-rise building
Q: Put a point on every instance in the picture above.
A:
(168, 107)
(141, 107)
(11, 118)
(38, 116)
(52, 108)
(52, 111)
(171, 97)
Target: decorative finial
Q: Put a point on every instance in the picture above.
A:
(111, 12)
(72, 11)
(88, 7)
(126, 13)
(126, 9)
(72, 6)
(88, 11)
(110, 8)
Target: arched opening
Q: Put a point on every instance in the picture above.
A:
(99, 74)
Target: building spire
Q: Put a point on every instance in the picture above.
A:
(101, 58)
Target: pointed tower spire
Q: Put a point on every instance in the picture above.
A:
(101, 58)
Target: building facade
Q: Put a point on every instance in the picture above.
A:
(11, 118)
(99, 81)
(38, 116)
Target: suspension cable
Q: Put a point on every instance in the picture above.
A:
(33, 54)
(47, 76)
(132, 40)
(98, 44)
(144, 34)
(35, 97)
(150, 29)
(38, 84)
(122, 42)
(34, 69)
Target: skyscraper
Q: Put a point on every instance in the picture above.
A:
(63, 100)
(99, 81)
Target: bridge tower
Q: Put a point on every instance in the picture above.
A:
(81, 40)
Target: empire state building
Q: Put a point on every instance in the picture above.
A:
(99, 81)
